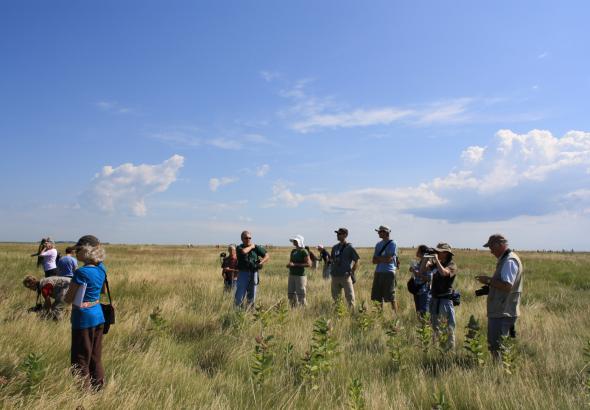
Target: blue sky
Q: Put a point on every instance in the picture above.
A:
(176, 122)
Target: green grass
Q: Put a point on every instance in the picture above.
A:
(179, 343)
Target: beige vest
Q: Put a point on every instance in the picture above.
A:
(506, 304)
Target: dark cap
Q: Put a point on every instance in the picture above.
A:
(444, 247)
(494, 239)
(89, 240)
(342, 230)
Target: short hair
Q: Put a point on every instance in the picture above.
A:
(30, 281)
(90, 254)
(422, 249)
(70, 249)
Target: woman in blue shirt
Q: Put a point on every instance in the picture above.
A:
(87, 318)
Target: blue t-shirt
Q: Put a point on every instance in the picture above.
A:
(93, 277)
(389, 250)
(67, 265)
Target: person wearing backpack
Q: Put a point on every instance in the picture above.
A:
(385, 259)
(298, 261)
(344, 265)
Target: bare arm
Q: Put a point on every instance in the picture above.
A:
(71, 293)
(264, 259)
(382, 259)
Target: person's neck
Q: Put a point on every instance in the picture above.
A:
(342, 241)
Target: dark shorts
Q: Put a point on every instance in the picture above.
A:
(383, 289)
(52, 272)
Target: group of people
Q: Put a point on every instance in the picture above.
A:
(433, 273)
(66, 283)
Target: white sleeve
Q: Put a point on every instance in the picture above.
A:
(49, 252)
(509, 271)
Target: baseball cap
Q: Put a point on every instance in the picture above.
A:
(496, 238)
(342, 230)
(383, 228)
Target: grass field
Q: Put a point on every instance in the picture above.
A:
(179, 343)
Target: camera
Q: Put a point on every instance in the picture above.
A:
(484, 290)
(222, 255)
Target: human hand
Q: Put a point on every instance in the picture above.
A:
(484, 279)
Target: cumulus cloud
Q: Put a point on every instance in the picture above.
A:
(125, 188)
(215, 183)
(529, 174)
(472, 155)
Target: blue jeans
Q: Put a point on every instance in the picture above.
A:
(440, 307)
(422, 301)
(246, 286)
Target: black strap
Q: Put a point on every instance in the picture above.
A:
(108, 290)
(384, 247)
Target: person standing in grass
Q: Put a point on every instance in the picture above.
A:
(421, 270)
(505, 289)
(48, 253)
(251, 259)
(298, 261)
(345, 262)
(441, 305)
(229, 269)
(66, 265)
(325, 257)
(384, 257)
(87, 317)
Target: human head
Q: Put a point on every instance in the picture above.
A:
(421, 251)
(70, 250)
(246, 238)
(48, 242)
(341, 234)
(297, 241)
(383, 231)
(30, 282)
(231, 249)
(497, 244)
(444, 251)
(89, 250)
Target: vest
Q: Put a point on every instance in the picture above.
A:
(506, 304)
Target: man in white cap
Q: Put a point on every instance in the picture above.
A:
(384, 257)
(505, 289)
(298, 261)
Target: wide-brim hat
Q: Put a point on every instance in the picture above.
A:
(444, 247)
(383, 228)
(299, 240)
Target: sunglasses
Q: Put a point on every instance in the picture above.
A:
(246, 237)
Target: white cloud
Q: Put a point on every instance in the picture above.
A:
(215, 183)
(473, 155)
(125, 188)
(256, 138)
(356, 118)
(262, 170)
(445, 111)
(543, 55)
(521, 174)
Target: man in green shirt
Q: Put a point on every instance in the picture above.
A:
(298, 261)
(251, 258)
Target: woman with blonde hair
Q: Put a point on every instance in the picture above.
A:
(87, 316)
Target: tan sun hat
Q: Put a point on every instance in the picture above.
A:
(444, 247)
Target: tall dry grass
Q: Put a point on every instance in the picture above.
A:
(179, 343)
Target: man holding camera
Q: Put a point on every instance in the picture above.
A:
(344, 265)
(251, 258)
(53, 287)
(504, 291)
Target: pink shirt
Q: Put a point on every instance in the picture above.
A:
(49, 258)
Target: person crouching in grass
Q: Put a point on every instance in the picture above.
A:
(53, 287)
(298, 261)
(87, 317)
